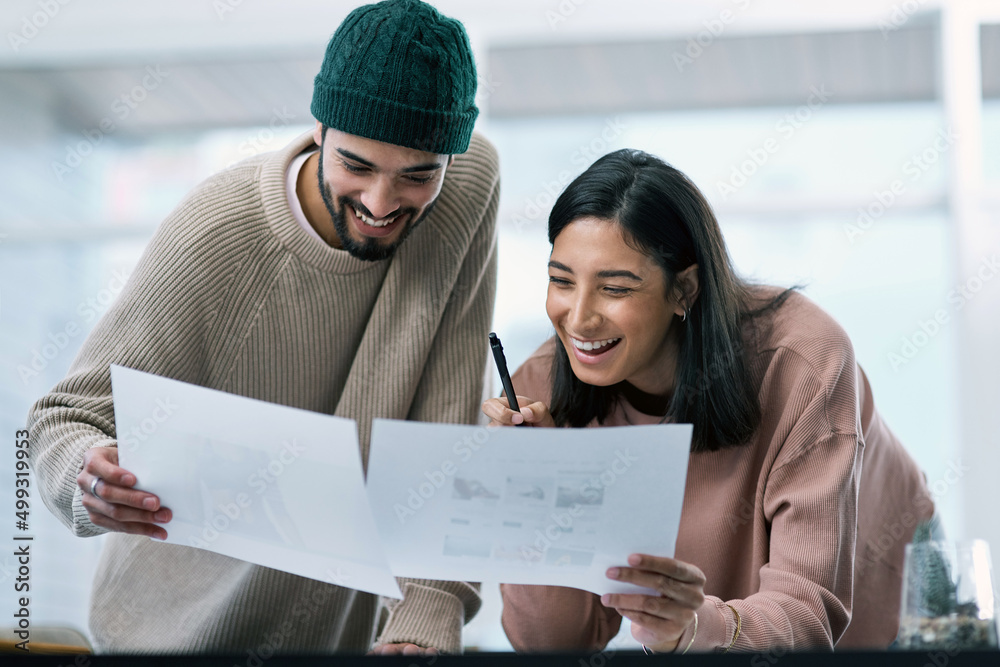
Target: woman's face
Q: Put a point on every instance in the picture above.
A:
(609, 305)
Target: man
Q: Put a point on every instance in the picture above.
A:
(355, 279)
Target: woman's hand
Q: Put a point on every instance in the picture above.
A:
(112, 503)
(533, 413)
(658, 621)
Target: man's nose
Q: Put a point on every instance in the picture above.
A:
(380, 199)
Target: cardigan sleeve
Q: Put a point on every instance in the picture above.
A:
(805, 592)
(432, 613)
(808, 491)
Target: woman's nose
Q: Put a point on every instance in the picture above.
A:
(584, 316)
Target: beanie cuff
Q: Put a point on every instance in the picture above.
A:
(354, 112)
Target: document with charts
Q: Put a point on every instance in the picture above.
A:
(526, 505)
(261, 482)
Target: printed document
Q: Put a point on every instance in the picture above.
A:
(265, 483)
(284, 488)
(546, 506)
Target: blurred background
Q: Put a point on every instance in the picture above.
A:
(851, 147)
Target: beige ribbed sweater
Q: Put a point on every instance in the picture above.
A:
(233, 294)
(773, 525)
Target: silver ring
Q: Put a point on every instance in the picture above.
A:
(93, 487)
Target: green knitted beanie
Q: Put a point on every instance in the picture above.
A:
(399, 72)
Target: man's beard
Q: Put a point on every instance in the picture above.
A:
(368, 249)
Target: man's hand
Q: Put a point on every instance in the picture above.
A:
(403, 649)
(112, 503)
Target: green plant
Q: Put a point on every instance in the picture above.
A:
(938, 591)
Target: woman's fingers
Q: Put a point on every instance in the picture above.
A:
(498, 411)
(535, 413)
(671, 567)
(680, 583)
(688, 595)
(532, 412)
(660, 635)
(650, 604)
(658, 621)
(660, 627)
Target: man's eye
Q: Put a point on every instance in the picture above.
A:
(353, 168)
(420, 180)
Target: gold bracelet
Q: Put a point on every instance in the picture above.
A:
(739, 625)
(649, 651)
(693, 635)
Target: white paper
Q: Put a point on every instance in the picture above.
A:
(526, 505)
(265, 483)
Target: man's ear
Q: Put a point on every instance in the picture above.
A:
(687, 287)
(451, 158)
(318, 134)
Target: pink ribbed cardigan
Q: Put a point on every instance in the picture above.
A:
(773, 524)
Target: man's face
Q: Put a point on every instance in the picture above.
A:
(376, 192)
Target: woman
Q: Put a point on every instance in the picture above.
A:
(781, 536)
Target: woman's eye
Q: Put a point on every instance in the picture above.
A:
(618, 291)
(562, 282)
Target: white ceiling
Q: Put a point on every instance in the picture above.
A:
(237, 62)
(100, 32)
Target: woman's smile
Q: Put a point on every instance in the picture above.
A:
(594, 351)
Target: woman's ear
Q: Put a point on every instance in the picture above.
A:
(687, 288)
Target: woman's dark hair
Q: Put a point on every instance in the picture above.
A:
(663, 215)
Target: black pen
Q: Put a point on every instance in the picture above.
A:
(504, 374)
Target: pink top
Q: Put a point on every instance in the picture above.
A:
(771, 524)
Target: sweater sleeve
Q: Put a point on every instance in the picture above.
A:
(158, 324)
(432, 613)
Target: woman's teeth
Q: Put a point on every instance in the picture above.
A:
(373, 223)
(596, 345)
